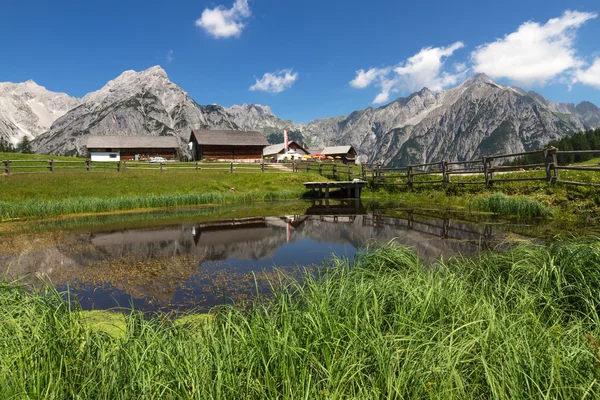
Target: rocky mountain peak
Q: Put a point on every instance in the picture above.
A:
(28, 109)
(586, 106)
(478, 79)
(253, 108)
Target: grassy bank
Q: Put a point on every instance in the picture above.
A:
(567, 201)
(30, 195)
(521, 324)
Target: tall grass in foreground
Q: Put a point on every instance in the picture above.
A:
(501, 204)
(76, 205)
(521, 324)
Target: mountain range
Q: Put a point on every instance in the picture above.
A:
(478, 117)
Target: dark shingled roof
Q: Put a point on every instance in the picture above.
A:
(229, 138)
(130, 142)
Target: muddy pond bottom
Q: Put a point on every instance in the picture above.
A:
(203, 264)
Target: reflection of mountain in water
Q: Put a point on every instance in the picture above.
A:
(259, 238)
(156, 262)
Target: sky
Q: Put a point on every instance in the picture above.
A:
(306, 59)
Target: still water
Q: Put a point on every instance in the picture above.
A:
(203, 263)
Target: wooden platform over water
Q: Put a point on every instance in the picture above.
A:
(348, 188)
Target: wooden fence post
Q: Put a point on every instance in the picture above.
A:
(349, 173)
(262, 166)
(124, 165)
(293, 165)
(231, 167)
(88, 165)
(547, 165)
(363, 172)
(197, 165)
(445, 172)
(161, 166)
(320, 168)
(307, 166)
(485, 171)
(334, 169)
(7, 167)
(118, 166)
(51, 165)
(553, 152)
(409, 176)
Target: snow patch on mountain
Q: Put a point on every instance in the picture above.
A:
(28, 109)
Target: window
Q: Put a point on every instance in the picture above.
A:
(113, 155)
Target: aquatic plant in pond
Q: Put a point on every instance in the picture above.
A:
(520, 324)
(501, 204)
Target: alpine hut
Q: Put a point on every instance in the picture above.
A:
(278, 151)
(345, 153)
(227, 145)
(121, 148)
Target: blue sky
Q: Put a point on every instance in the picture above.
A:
(325, 57)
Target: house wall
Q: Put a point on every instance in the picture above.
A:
(293, 146)
(129, 154)
(207, 152)
(347, 158)
(144, 154)
(105, 155)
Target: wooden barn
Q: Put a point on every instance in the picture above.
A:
(227, 145)
(274, 151)
(345, 153)
(121, 148)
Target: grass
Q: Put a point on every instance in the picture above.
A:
(36, 157)
(570, 203)
(42, 195)
(501, 204)
(519, 324)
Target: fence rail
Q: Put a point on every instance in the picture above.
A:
(488, 168)
(333, 170)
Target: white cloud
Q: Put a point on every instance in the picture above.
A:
(424, 69)
(221, 22)
(535, 53)
(275, 82)
(460, 67)
(170, 56)
(365, 78)
(589, 76)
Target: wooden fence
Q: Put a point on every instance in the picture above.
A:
(488, 168)
(333, 170)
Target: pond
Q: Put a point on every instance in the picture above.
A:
(200, 261)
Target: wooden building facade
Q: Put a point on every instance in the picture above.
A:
(345, 153)
(227, 145)
(123, 148)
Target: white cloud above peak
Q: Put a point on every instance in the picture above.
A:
(589, 76)
(222, 23)
(275, 82)
(424, 69)
(535, 53)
